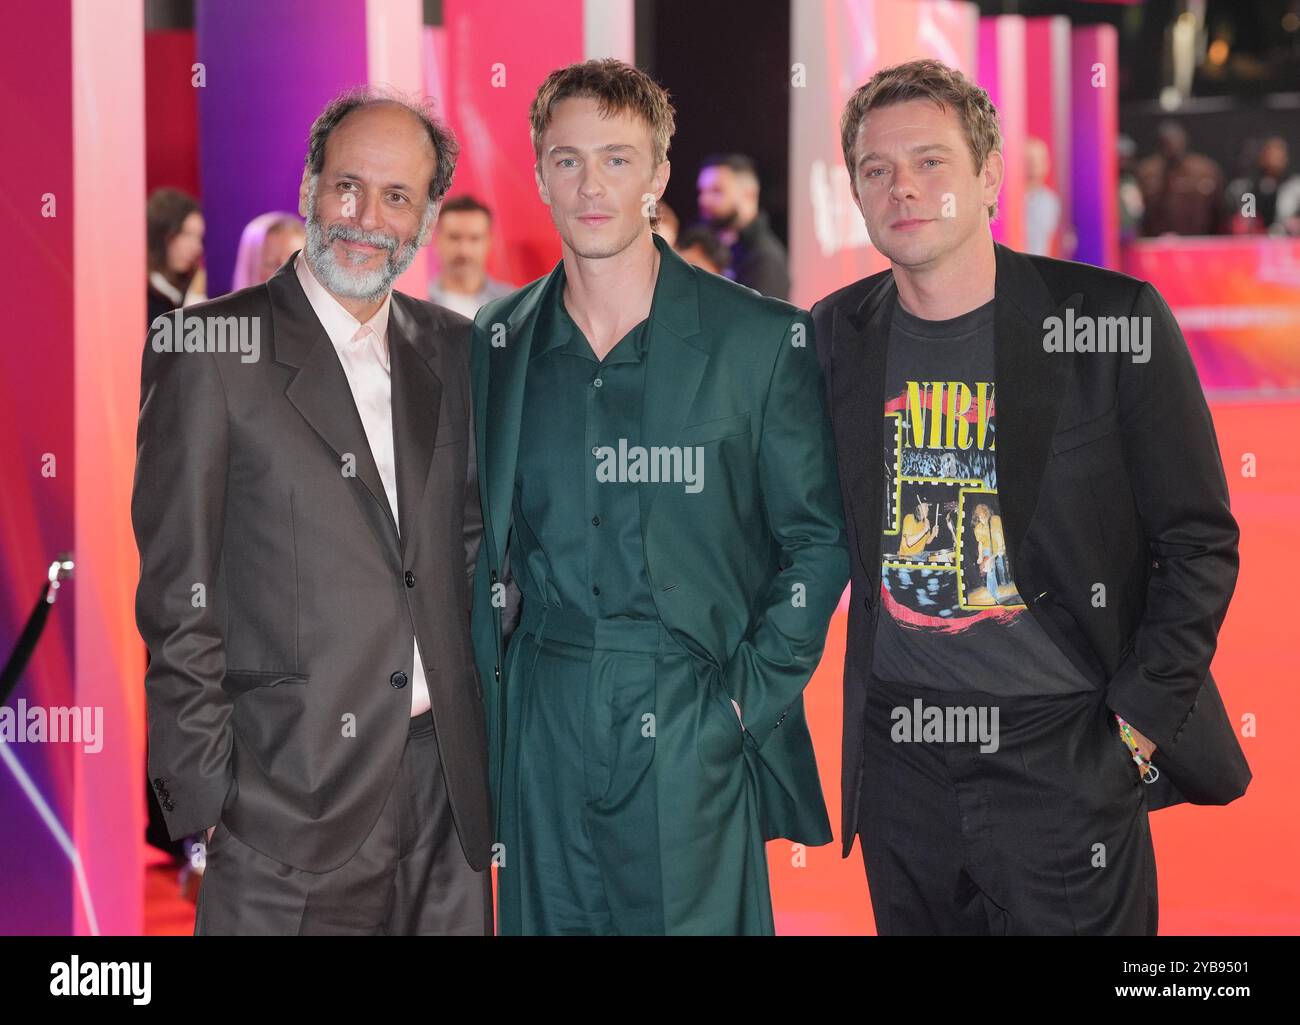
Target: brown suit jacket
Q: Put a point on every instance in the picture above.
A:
(276, 597)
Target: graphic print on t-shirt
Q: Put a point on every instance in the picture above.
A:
(944, 559)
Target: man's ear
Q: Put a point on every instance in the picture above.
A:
(427, 235)
(660, 180)
(304, 187)
(994, 168)
(542, 190)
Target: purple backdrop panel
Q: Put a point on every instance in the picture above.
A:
(1094, 101)
(270, 68)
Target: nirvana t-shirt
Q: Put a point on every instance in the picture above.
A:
(951, 615)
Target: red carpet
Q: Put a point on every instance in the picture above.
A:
(1221, 870)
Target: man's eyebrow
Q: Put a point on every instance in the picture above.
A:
(922, 148)
(607, 148)
(356, 176)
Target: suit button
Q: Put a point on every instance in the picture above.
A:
(410, 579)
(492, 576)
(167, 805)
(398, 679)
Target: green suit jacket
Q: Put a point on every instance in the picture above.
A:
(747, 571)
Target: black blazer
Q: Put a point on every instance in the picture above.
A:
(1108, 472)
(280, 703)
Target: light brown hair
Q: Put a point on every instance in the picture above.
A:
(926, 80)
(618, 87)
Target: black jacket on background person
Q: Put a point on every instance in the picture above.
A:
(759, 261)
(1108, 472)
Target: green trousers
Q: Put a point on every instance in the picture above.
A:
(627, 804)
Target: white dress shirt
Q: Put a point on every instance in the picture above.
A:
(363, 351)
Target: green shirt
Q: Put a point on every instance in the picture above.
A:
(579, 538)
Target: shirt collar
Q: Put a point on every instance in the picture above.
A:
(161, 284)
(338, 323)
(560, 331)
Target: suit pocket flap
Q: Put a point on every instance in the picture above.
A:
(715, 430)
(1086, 432)
(450, 431)
(240, 681)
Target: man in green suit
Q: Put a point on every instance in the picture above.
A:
(663, 548)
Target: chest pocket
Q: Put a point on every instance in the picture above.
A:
(1089, 448)
(715, 430)
(1085, 433)
(450, 432)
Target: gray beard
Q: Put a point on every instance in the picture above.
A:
(346, 281)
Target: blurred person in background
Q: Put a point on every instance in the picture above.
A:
(1263, 201)
(265, 246)
(1130, 193)
(1042, 204)
(1180, 189)
(728, 189)
(464, 239)
(700, 247)
(174, 243)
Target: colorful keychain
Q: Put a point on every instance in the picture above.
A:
(1149, 772)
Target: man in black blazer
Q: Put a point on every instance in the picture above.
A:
(1043, 550)
(306, 509)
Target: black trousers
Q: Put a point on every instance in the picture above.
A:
(409, 877)
(1046, 835)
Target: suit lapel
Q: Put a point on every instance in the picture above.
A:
(1030, 384)
(319, 389)
(417, 398)
(675, 361)
(859, 345)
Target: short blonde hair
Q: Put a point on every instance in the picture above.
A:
(926, 80)
(618, 87)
